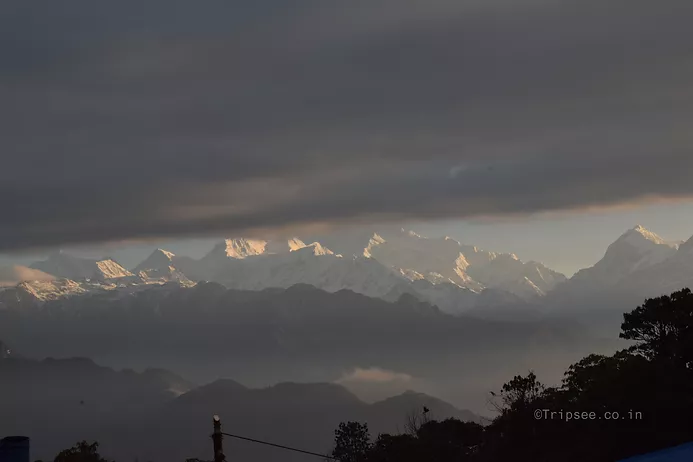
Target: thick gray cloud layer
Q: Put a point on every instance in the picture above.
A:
(131, 119)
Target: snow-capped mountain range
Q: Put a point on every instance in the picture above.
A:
(446, 260)
(455, 277)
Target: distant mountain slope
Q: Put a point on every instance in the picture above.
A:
(291, 332)
(14, 274)
(60, 401)
(36, 294)
(638, 264)
(52, 290)
(411, 402)
(277, 311)
(160, 265)
(66, 266)
(31, 294)
(315, 265)
(635, 250)
(158, 416)
(158, 259)
(663, 276)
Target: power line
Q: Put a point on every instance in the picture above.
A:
(267, 443)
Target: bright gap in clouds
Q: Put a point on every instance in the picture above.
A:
(565, 242)
(569, 241)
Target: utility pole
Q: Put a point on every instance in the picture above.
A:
(216, 438)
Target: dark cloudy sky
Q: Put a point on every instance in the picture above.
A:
(131, 120)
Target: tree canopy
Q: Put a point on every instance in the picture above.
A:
(81, 452)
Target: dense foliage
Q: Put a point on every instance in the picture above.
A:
(81, 452)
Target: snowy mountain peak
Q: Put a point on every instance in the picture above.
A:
(411, 233)
(411, 274)
(157, 258)
(241, 248)
(461, 262)
(110, 269)
(295, 244)
(51, 290)
(642, 238)
(315, 248)
(637, 249)
(284, 246)
(636, 235)
(374, 241)
(159, 263)
(164, 253)
(687, 247)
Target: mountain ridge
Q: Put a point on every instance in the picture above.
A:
(158, 415)
(63, 265)
(634, 252)
(455, 277)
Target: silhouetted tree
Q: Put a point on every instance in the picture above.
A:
(81, 452)
(663, 328)
(450, 439)
(352, 442)
(521, 392)
(415, 420)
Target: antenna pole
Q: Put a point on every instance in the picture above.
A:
(216, 439)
